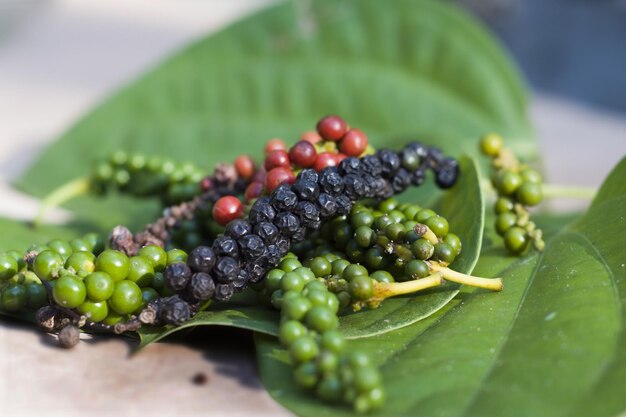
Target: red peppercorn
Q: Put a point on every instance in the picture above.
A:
(303, 154)
(278, 176)
(275, 145)
(254, 190)
(353, 143)
(311, 136)
(244, 166)
(277, 159)
(226, 209)
(332, 127)
(325, 159)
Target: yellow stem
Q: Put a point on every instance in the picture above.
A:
(385, 290)
(494, 284)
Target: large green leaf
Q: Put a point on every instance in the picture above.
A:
(551, 344)
(463, 205)
(396, 69)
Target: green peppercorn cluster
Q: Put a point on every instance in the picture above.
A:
(20, 287)
(308, 329)
(398, 238)
(143, 176)
(518, 187)
(103, 286)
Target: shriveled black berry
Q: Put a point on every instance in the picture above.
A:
(287, 223)
(201, 286)
(201, 259)
(390, 162)
(344, 204)
(330, 181)
(308, 213)
(257, 271)
(174, 311)
(370, 164)
(223, 292)
(350, 165)
(283, 245)
(261, 211)
(225, 246)
(283, 199)
(307, 174)
(251, 246)
(238, 228)
(299, 234)
(369, 184)
(273, 255)
(306, 189)
(266, 231)
(400, 181)
(315, 225)
(327, 205)
(435, 158)
(177, 275)
(447, 174)
(226, 269)
(419, 175)
(242, 280)
(354, 186)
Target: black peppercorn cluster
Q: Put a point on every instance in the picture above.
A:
(250, 247)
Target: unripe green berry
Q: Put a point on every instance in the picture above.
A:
(491, 144)
(529, 194)
(69, 291)
(516, 240)
(505, 221)
(361, 287)
(508, 182)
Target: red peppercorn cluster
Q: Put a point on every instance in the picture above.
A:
(332, 142)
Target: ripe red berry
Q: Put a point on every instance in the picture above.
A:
(254, 190)
(275, 145)
(353, 143)
(303, 154)
(278, 176)
(226, 209)
(276, 159)
(332, 127)
(244, 166)
(311, 136)
(325, 159)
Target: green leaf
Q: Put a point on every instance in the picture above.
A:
(463, 206)
(243, 317)
(20, 236)
(551, 344)
(411, 69)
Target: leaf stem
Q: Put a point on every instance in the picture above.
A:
(494, 284)
(59, 196)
